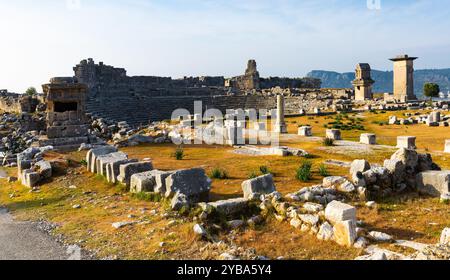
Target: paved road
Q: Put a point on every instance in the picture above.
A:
(23, 241)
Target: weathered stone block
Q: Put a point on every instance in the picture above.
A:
(396, 169)
(257, 186)
(334, 134)
(231, 206)
(445, 237)
(433, 183)
(368, 138)
(409, 157)
(180, 201)
(337, 212)
(447, 147)
(160, 180)
(359, 166)
(191, 182)
(92, 155)
(127, 170)
(30, 178)
(113, 169)
(44, 168)
(345, 233)
(142, 182)
(305, 131)
(407, 142)
(22, 164)
(103, 160)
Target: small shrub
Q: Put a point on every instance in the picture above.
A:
(309, 156)
(218, 173)
(328, 142)
(264, 170)
(179, 154)
(304, 171)
(252, 175)
(83, 162)
(323, 171)
(148, 196)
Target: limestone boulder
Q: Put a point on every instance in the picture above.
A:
(358, 167)
(408, 157)
(142, 182)
(231, 207)
(193, 183)
(179, 201)
(425, 163)
(332, 181)
(258, 186)
(339, 183)
(445, 237)
(310, 219)
(344, 233)
(113, 169)
(337, 211)
(160, 180)
(138, 138)
(103, 160)
(129, 169)
(378, 176)
(44, 168)
(91, 156)
(30, 178)
(200, 230)
(326, 232)
(313, 207)
(396, 168)
(380, 236)
(434, 183)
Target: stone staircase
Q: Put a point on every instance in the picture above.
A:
(145, 109)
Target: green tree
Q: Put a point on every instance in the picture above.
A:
(31, 91)
(431, 90)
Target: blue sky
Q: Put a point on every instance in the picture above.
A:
(45, 38)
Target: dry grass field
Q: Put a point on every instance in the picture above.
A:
(101, 204)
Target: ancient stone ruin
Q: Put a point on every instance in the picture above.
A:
(66, 114)
(363, 82)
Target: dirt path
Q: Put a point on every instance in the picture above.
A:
(23, 241)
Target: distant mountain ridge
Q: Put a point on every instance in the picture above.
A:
(384, 79)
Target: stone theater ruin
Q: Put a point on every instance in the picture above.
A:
(281, 153)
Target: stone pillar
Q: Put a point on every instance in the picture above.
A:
(447, 147)
(363, 82)
(407, 142)
(280, 125)
(404, 78)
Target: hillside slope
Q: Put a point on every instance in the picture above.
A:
(384, 79)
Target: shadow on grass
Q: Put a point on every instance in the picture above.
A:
(35, 203)
(399, 233)
(219, 196)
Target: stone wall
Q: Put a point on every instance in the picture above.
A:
(142, 110)
(9, 102)
(141, 99)
(17, 103)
